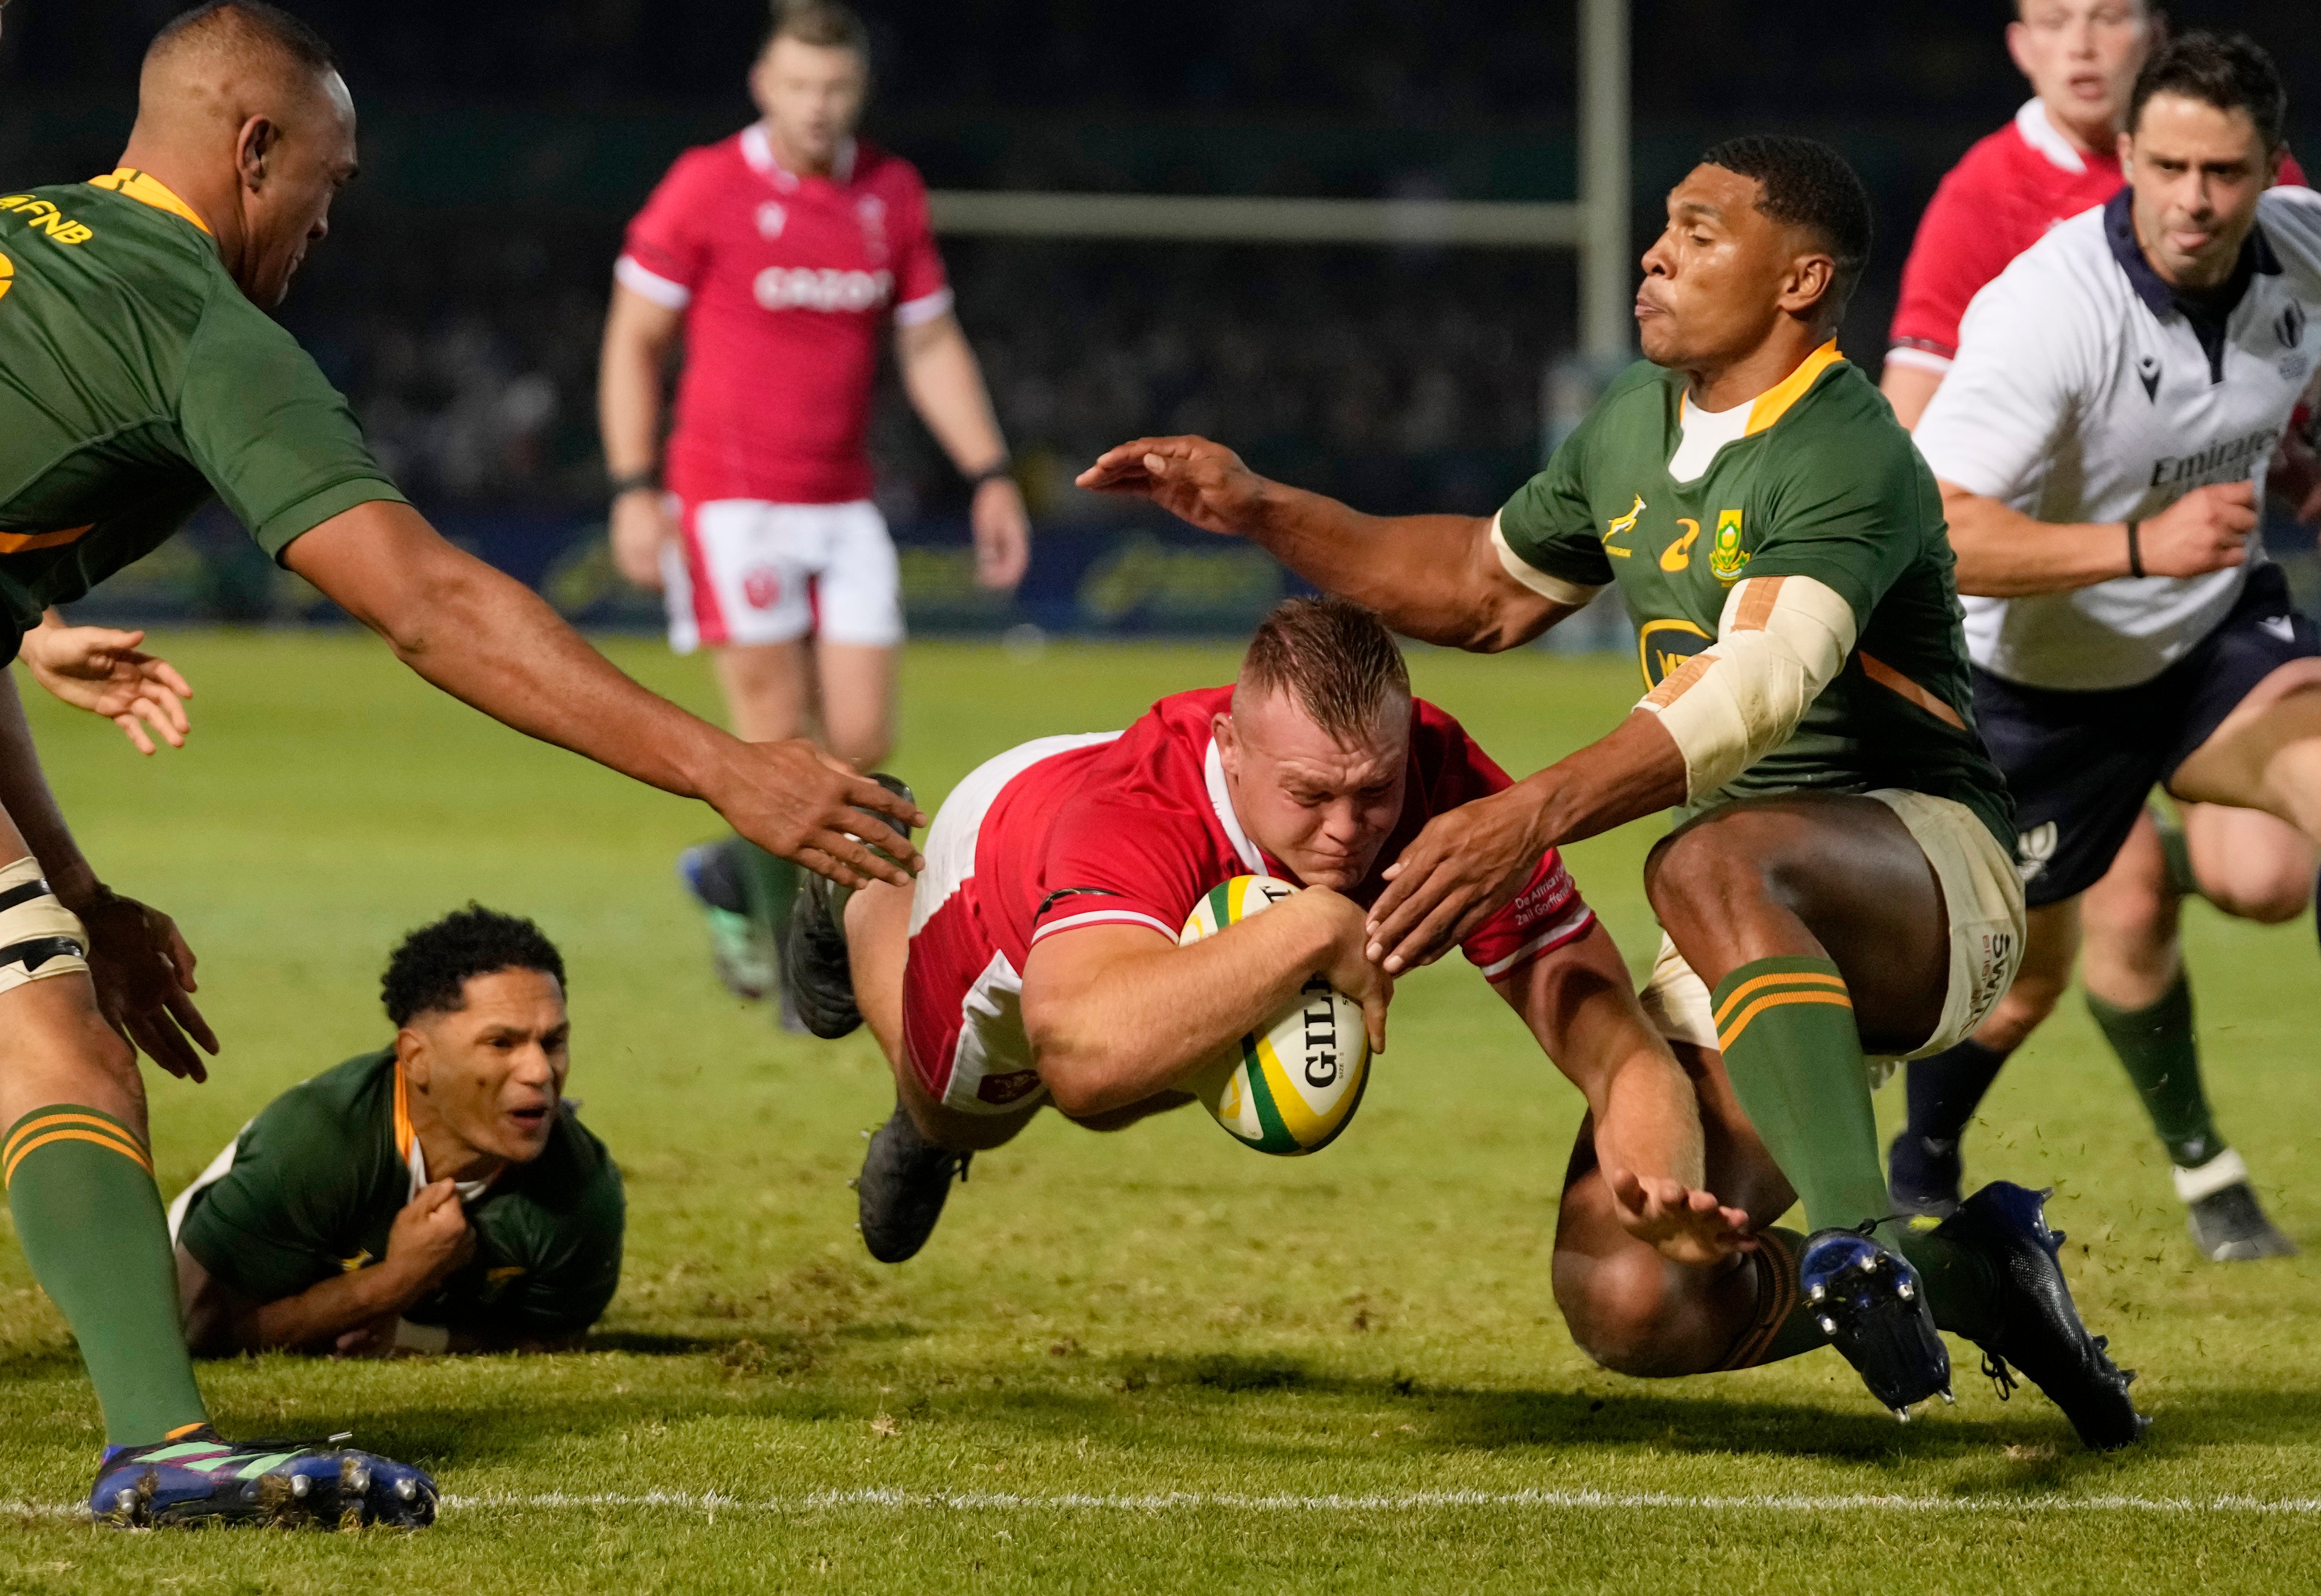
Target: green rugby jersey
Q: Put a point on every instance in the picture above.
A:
(312, 1186)
(135, 380)
(1825, 484)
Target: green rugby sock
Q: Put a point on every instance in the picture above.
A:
(80, 1185)
(771, 884)
(1786, 1028)
(2157, 1046)
(2178, 854)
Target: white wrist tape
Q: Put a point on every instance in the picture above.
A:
(39, 936)
(431, 1339)
(1779, 642)
(1554, 587)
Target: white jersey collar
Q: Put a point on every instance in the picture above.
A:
(758, 149)
(2040, 133)
(1221, 800)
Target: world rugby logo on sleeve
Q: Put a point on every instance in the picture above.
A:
(1291, 1087)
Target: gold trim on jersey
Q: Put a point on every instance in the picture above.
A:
(1776, 401)
(146, 188)
(1885, 676)
(22, 542)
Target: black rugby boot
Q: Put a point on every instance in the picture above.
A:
(902, 1189)
(2041, 1333)
(818, 975)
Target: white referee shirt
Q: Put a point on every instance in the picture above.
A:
(2085, 390)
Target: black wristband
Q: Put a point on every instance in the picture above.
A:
(2135, 551)
(993, 473)
(648, 478)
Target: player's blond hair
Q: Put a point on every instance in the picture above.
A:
(1335, 658)
(829, 25)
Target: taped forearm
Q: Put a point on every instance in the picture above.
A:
(1780, 641)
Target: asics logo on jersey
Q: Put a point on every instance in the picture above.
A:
(786, 287)
(1679, 554)
(2218, 463)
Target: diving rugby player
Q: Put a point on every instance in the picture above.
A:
(139, 374)
(1036, 962)
(1842, 886)
(2102, 442)
(777, 259)
(436, 1195)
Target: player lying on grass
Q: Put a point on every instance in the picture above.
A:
(1842, 884)
(438, 1195)
(139, 374)
(1036, 960)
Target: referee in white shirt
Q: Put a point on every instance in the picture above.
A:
(2102, 443)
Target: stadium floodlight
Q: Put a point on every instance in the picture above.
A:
(1595, 225)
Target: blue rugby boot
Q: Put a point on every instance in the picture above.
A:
(1873, 1305)
(739, 949)
(195, 1479)
(2041, 1333)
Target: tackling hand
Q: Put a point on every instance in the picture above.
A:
(143, 973)
(1684, 1226)
(1348, 970)
(1463, 868)
(793, 799)
(2206, 529)
(1192, 479)
(101, 671)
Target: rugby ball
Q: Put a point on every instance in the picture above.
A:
(1291, 1087)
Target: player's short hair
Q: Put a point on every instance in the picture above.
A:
(1335, 658)
(246, 27)
(2230, 71)
(831, 24)
(1808, 185)
(429, 972)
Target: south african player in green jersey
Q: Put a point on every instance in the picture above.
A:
(1839, 887)
(138, 373)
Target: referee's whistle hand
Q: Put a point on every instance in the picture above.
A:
(2206, 529)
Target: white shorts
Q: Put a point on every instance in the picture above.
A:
(748, 571)
(1982, 891)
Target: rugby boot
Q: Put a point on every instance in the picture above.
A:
(2041, 1333)
(818, 975)
(194, 1480)
(1922, 1174)
(1873, 1305)
(2229, 1227)
(739, 949)
(902, 1189)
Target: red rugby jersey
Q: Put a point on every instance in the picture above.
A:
(1135, 830)
(785, 282)
(1999, 201)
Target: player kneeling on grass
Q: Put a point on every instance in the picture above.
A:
(436, 1195)
(1037, 959)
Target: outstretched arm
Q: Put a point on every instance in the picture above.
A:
(1435, 578)
(638, 337)
(1117, 1014)
(1580, 1006)
(492, 643)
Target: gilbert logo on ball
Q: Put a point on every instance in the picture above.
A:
(1292, 1087)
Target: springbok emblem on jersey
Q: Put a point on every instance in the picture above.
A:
(1626, 523)
(1727, 557)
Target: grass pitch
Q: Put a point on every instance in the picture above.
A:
(1151, 1361)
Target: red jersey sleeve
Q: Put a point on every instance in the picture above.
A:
(1955, 252)
(1116, 864)
(922, 287)
(1549, 912)
(665, 251)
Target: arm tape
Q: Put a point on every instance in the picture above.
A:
(39, 936)
(1780, 641)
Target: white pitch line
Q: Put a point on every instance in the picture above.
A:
(989, 1501)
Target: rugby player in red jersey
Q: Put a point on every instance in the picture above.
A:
(780, 255)
(1037, 964)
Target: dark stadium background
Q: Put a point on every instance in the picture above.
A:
(504, 144)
